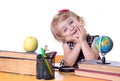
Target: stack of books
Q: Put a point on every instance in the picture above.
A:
(19, 62)
(94, 69)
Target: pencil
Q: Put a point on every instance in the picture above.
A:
(46, 62)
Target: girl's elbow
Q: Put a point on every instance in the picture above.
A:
(92, 58)
(69, 63)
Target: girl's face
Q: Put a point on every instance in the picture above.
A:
(69, 27)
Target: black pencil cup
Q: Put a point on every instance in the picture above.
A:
(44, 66)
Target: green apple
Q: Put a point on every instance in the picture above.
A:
(30, 44)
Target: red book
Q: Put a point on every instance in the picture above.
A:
(97, 74)
(102, 71)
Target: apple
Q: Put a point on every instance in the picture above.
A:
(30, 44)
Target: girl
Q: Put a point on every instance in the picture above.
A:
(68, 28)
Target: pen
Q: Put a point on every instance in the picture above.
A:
(43, 53)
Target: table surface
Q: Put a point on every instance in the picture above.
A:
(59, 76)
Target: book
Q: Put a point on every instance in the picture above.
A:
(19, 62)
(113, 67)
(94, 69)
(97, 74)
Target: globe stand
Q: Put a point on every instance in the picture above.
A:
(103, 60)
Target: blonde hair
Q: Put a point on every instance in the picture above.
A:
(59, 17)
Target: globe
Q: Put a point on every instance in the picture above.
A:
(103, 44)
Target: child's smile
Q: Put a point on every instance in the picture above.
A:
(74, 32)
(69, 27)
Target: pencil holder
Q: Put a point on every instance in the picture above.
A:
(44, 67)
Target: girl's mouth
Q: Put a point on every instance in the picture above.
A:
(74, 32)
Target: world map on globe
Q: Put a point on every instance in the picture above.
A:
(103, 44)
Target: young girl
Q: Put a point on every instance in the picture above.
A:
(68, 28)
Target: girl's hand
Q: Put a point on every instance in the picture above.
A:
(79, 37)
(74, 39)
(82, 33)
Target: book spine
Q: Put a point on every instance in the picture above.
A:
(97, 74)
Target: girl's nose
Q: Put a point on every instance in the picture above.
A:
(71, 28)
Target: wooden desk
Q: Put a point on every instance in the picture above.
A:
(16, 62)
(59, 76)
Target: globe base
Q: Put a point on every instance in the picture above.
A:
(103, 61)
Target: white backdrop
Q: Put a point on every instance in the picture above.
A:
(22, 18)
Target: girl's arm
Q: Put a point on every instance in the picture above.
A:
(89, 53)
(70, 56)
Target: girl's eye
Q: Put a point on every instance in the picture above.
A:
(71, 22)
(65, 30)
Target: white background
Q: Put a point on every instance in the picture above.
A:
(22, 18)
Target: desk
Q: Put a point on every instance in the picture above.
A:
(59, 76)
(18, 63)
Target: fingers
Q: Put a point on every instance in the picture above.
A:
(81, 29)
(73, 39)
(82, 33)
